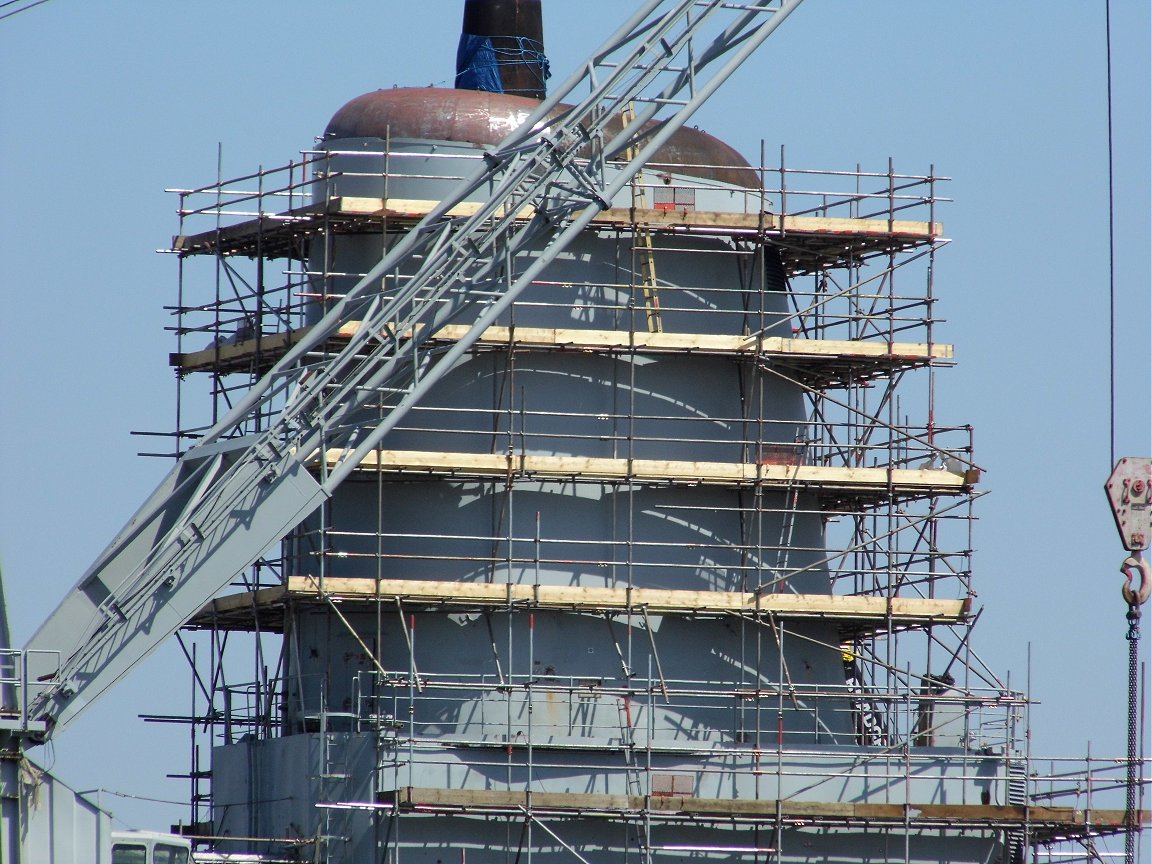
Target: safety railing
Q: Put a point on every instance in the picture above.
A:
(609, 713)
(19, 687)
(778, 189)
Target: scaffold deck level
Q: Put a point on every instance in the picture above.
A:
(807, 243)
(1045, 823)
(819, 362)
(263, 608)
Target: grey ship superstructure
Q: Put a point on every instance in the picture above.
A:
(582, 602)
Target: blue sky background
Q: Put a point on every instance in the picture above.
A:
(106, 104)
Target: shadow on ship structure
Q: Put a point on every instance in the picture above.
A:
(675, 563)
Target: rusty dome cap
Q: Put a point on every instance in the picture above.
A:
(485, 119)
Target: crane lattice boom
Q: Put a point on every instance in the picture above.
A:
(232, 496)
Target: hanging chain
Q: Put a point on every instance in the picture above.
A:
(1131, 816)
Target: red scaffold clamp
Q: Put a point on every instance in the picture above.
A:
(1136, 596)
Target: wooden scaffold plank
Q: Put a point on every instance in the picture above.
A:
(899, 481)
(864, 354)
(860, 357)
(812, 241)
(1052, 821)
(855, 612)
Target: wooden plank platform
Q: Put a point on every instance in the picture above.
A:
(1045, 822)
(807, 243)
(856, 614)
(247, 355)
(843, 481)
(817, 362)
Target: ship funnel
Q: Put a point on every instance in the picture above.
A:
(502, 48)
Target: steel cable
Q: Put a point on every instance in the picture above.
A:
(17, 11)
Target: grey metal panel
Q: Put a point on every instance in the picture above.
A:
(674, 407)
(578, 661)
(813, 774)
(441, 839)
(270, 788)
(44, 821)
(682, 538)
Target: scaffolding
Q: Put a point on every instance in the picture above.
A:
(892, 485)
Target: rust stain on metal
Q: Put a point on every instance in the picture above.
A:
(485, 119)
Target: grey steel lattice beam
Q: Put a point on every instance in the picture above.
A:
(232, 497)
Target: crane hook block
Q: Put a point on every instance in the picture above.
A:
(1129, 491)
(1136, 596)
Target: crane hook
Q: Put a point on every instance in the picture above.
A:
(1136, 596)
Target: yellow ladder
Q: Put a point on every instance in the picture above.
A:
(644, 253)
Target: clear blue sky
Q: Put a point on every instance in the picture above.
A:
(106, 104)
